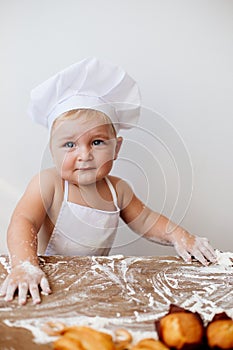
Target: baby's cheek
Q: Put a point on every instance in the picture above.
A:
(64, 164)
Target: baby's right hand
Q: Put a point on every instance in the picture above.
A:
(26, 278)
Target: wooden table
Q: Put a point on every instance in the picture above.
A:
(112, 292)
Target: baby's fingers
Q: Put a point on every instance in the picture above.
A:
(203, 247)
(22, 293)
(10, 291)
(3, 288)
(35, 294)
(45, 285)
(183, 253)
(200, 257)
(208, 251)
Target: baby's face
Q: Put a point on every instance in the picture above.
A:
(84, 150)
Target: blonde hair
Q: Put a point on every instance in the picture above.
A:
(88, 114)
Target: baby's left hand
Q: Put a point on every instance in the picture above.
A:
(188, 246)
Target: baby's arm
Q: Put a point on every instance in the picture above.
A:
(26, 275)
(160, 229)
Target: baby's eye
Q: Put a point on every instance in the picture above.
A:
(97, 142)
(69, 144)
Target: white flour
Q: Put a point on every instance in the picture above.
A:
(224, 258)
(5, 264)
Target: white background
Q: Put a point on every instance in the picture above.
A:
(180, 52)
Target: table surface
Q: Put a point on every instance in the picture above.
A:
(112, 292)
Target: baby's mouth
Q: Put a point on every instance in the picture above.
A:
(85, 169)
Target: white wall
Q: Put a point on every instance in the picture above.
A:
(181, 54)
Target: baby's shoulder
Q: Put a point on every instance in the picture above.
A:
(50, 174)
(46, 177)
(50, 185)
(122, 188)
(116, 181)
(47, 180)
(119, 182)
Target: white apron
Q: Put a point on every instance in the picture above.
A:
(81, 230)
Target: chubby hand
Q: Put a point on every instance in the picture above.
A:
(188, 246)
(25, 277)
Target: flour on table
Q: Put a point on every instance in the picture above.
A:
(125, 292)
(224, 258)
(5, 264)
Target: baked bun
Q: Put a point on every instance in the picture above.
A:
(181, 329)
(149, 344)
(219, 332)
(83, 338)
(67, 344)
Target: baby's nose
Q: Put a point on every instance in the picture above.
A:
(84, 154)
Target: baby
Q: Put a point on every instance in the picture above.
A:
(75, 206)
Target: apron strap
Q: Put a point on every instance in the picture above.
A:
(113, 192)
(66, 190)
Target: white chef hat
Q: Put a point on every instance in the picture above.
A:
(92, 84)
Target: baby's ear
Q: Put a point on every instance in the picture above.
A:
(118, 146)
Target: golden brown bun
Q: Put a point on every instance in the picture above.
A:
(64, 343)
(220, 334)
(83, 338)
(179, 329)
(149, 344)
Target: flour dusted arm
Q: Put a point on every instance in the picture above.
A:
(26, 275)
(160, 229)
